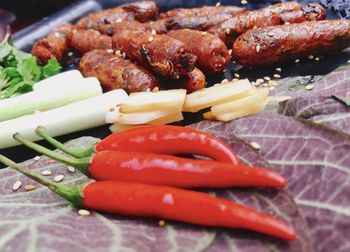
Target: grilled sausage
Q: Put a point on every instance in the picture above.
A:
(54, 45)
(212, 54)
(155, 27)
(270, 45)
(201, 11)
(160, 53)
(194, 81)
(141, 11)
(191, 81)
(87, 40)
(277, 14)
(116, 72)
(201, 23)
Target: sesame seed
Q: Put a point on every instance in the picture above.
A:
(16, 185)
(70, 54)
(256, 84)
(224, 81)
(348, 61)
(118, 20)
(270, 34)
(71, 169)
(234, 62)
(153, 32)
(278, 69)
(236, 75)
(297, 61)
(267, 78)
(310, 57)
(309, 87)
(58, 178)
(36, 158)
(244, 2)
(150, 39)
(156, 89)
(84, 212)
(161, 223)
(317, 58)
(287, 23)
(46, 172)
(257, 48)
(217, 4)
(75, 30)
(235, 79)
(230, 52)
(228, 31)
(204, 33)
(277, 76)
(30, 187)
(123, 54)
(255, 145)
(260, 81)
(57, 35)
(109, 51)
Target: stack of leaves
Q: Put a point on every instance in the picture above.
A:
(19, 71)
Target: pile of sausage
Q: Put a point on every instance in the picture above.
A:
(135, 48)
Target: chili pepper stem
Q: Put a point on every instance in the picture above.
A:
(81, 164)
(42, 132)
(72, 194)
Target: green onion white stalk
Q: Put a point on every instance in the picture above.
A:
(85, 114)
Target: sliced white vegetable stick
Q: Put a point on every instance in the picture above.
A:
(176, 117)
(242, 104)
(216, 94)
(59, 81)
(137, 118)
(171, 100)
(45, 99)
(117, 127)
(244, 112)
(85, 114)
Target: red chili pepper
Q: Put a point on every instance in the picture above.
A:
(164, 169)
(162, 139)
(142, 200)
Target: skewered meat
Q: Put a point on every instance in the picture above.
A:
(201, 11)
(87, 40)
(276, 14)
(141, 11)
(270, 45)
(115, 72)
(212, 54)
(54, 45)
(160, 53)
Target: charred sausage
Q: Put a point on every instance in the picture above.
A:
(87, 40)
(212, 54)
(201, 23)
(159, 53)
(155, 27)
(276, 14)
(54, 45)
(192, 81)
(116, 72)
(201, 11)
(141, 11)
(270, 45)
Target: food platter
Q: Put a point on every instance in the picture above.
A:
(303, 73)
(305, 142)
